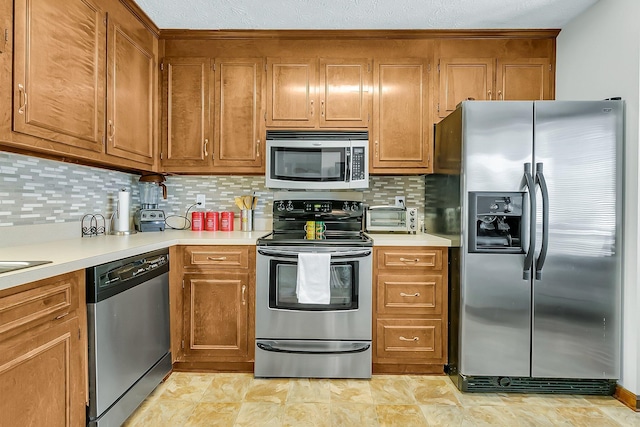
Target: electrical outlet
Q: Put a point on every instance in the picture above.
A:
(400, 202)
(200, 200)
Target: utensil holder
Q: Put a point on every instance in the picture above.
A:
(246, 220)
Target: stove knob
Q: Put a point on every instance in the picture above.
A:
(289, 206)
(280, 206)
(354, 207)
(345, 206)
(412, 212)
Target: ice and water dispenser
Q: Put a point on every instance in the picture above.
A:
(496, 222)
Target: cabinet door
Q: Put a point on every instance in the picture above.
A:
(130, 83)
(405, 294)
(291, 92)
(216, 316)
(526, 79)
(402, 118)
(186, 114)
(410, 341)
(238, 121)
(344, 92)
(59, 72)
(42, 378)
(464, 78)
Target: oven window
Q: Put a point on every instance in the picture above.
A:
(343, 287)
(308, 164)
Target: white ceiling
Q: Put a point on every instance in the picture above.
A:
(362, 14)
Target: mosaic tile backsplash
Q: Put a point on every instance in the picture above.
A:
(41, 191)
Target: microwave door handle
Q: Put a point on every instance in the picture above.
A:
(347, 169)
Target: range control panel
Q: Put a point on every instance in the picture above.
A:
(316, 206)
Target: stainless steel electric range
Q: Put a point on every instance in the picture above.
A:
(313, 288)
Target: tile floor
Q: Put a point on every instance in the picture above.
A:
(234, 400)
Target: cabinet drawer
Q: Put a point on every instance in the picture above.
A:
(409, 294)
(405, 258)
(216, 257)
(419, 339)
(53, 299)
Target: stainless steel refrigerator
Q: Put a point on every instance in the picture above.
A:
(533, 191)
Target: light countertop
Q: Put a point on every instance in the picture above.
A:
(78, 253)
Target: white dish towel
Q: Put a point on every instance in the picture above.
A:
(312, 285)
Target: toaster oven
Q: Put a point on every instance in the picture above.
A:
(385, 219)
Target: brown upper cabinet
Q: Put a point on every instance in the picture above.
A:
(84, 82)
(211, 115)
(59, 72)
(402, 122)
(487, 79)
(318, 93)
(131, 82)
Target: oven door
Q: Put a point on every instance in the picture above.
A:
(279, 315)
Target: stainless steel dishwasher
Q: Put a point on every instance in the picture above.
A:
(128, 331)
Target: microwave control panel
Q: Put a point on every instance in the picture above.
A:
(358, 164)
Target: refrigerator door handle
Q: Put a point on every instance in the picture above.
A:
(545, 220)
(528, 260)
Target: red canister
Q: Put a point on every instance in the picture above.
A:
(226, 221)
(197, 221)
(211, 221)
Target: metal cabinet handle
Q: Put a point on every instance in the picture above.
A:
(402, 294)
(500, 96)
(258, 148)
(221, 258)
(377, 152)
(61, 316)
(204, 147)
(311, 111)
(409, 260)
(112, 130)
(490, 96)
(23, 95)
(414, 339)
(244, 288)
(322, 108)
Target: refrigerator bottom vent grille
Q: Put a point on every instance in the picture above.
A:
(537, 385)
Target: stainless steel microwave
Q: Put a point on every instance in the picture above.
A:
(317, 160)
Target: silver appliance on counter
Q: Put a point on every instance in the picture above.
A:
(150, 217)
(317, 160)
(305, 338)
(128, 333)
(389, 219)
(536, 282)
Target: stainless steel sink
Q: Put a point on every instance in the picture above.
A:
(6, 266)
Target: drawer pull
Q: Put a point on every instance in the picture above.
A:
(414, 339)
(61, 316)
(402, 294)
(244, 288)
(220, 258)
(409, 260)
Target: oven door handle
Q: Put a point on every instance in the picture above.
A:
(294, 254)
(307, 348)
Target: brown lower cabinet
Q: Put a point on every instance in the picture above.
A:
(213, 319)
(43, 353)
(410, 310)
